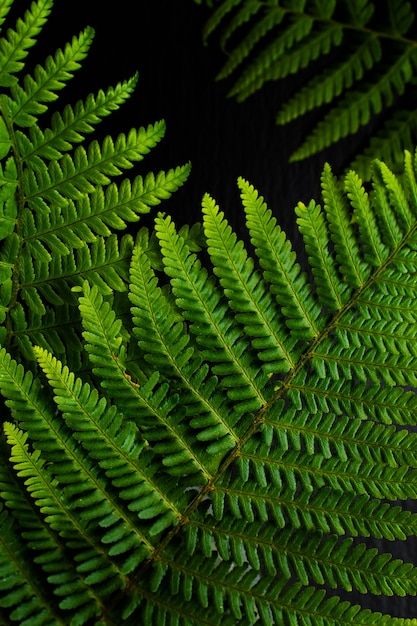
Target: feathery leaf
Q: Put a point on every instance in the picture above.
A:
(374, 66)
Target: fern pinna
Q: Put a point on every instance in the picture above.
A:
(189, 442)
(361, 58)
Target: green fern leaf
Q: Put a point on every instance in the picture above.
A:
(312, 226)
(111, 440)
(72, 124)
(200, 442)
(79, 222)
(360, 11)
(401, 16)
(326, 87)
(159, 334)
(43, 488)
(272, 40)
(314, 559)
(86, 492)
(240, 18)
(104, 345)
(313, 467)
(323, 10)
(389, 143)
(375, 252)
(21, 594)
(56, 216)
(15, 48)
(220, 341)
(244, 49)
(314, 46)
(342, 233)
(256, 75)
(4, 10)
(40, 89)
(356, 108)
(217, 17)
(281, 270)
(73, 178)
(248, 297)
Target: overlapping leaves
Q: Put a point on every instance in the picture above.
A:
(241, 429)
(60, 204)
(195, 438)
(361, 58)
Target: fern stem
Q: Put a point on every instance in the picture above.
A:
(20, 201)
(347, 26)
(281, 388)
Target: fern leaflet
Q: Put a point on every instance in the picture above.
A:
(372, 70)
(197, 432)
(212, 498)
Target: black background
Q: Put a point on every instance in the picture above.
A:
(162, 40)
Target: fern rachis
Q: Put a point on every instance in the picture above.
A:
(195, 438)
(301, 476)
(360, 58)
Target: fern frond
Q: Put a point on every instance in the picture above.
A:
(72, 124)
(219, 14)
(46, 550)
(239, 19)
(28, 101)
(314, 45)
(256, 75)
(389, 143)
(345, 438)
(4, 10)
(79, 222)
(315, 559)
(193, 483)
(360, 11)
(374, 250)
(355, 109)
(219, 337)
(276, 257)
(246, 291)
(117, 449)
(158, 334)
(312, 226)
(43, 489)
(248, 597)
(244, 49)
(272, 40)
(327, 509)
(347, 250)
(14, 48)
(50, 280)
(56, 330)
(339, 458)
(146, 404)
(21, 594)
(74, 177)
(240, 426)
(56, 216)
(401, 16)
(121, 454)
(326, 87)
(373, 402)
(114, 441)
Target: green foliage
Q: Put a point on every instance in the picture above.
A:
(194, 433)
(60, 206)
(359, 59)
